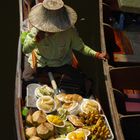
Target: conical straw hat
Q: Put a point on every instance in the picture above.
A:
(52, 16)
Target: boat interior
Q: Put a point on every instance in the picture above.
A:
(90, 37)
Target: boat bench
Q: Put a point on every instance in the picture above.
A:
(125, 103)
(133, 100)
(126, 84)
(130, 126)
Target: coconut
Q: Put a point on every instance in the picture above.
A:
(35, 138)
(45, 130)
(29, 120)
(30, 132)
(38, 117)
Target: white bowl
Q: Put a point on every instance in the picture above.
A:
(73, 107)
(86, 131)
(54, 123)
(67, 137)
(75, 120)
(93, 102)
(68, 98)
(48, 90)
(61, 97)
(40, 99)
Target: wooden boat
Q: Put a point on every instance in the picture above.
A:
(111, 78)
(119, 29)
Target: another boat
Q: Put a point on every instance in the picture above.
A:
(119, 32)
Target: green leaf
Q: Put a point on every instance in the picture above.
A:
(25, 111)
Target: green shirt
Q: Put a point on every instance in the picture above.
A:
(55, 50)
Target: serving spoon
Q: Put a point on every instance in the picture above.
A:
(53, 83)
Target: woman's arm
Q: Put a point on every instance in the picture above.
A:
(78, 44)
(30, 42)
(88, 51)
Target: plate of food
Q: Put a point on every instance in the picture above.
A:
(68, 98)
(86, 131)
(90, 105)
(71, 107)
(44, 90)
(55, 120)
(46, 104)
(76, 135)
(75, 120)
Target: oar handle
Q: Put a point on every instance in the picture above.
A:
(54, 85)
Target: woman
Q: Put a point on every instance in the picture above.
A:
(53, 39)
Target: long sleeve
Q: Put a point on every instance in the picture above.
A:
(30, 43)
(88, 51)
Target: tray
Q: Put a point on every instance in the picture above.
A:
(31, 102)
(107, 123)
(30, 97)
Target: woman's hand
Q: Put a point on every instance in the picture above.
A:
(102, 56)
(40, 35)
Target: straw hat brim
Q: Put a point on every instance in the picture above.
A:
(52, 20)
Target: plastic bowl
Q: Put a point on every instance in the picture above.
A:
(95, 106)
(47, 117)
(49, 91)
(75, 132)
(86, 131)
(71, 107)
(51, 106)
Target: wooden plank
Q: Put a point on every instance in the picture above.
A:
(134, 94)
(132, 106)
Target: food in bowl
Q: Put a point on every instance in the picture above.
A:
(75, 120)
(44, 90)
(70, 106)
(46, 104)
(86, 131)
(38, 117)
(63, 131)
(61, 97)
(90, 105)
(62, 113)
(73, 97)
(55, 120)
(68, 98)
(76, 135)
